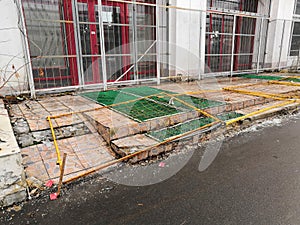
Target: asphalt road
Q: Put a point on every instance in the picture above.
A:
(255, 179)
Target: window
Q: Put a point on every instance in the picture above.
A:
(295, 41)
(239, 5)
(297, 7)
(295, 44)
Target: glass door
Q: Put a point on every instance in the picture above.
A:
(115, 39)
(88, 30)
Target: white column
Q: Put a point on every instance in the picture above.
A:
(12, 50)
(278, 49)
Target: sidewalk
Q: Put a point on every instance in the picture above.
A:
(78, 135)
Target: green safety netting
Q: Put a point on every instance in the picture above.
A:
(148, 108)
(262, 77)
(182, 128)
(266, 77)
(229, 116)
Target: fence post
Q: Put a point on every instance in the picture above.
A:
(134, 44)
(102, 45)
(259, 45)
(232, 45)
(77, 43)
(158, 60)
(27, 53)
(200, 49)
(281, 44)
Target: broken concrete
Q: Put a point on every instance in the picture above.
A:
(12, 176)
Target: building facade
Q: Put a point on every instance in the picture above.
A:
(60, 45)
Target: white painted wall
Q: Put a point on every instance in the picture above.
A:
(185, 34)
(11, 49)
(280, 11)
(185, 43)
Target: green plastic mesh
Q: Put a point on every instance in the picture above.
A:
(141, 110)
(144, 109)
(229, 116)
(144, 91)
(265, 77)
(262, 77)
(182, 128)
(147, 108)
(109, 97)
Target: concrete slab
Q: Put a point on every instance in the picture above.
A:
(12, 177)
(128, 145)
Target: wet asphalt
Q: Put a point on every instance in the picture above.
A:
(255, 179)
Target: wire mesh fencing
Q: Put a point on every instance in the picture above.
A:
(101, 43)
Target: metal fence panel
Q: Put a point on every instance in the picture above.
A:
(82, 43)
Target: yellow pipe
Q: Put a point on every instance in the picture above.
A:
(285, 83)
(260, 111)
(195, 92)
(202, 91)
(105, 165)
(191, 93)
(246, 85)
(279, 97)
(54, 141)
(289, 77)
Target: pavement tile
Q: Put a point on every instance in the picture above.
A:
(72, 165)
(67, 120)
(53, 106)
(38, 124)
(86, 142)
(15, 111)
(30, 155)
(37, 170)
(91, 126)
(120, 132)
(36, 112)
(48, 151)
(93, 157)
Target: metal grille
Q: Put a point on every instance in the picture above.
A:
(83, 43)
(51, 54)
(234, 43)
(219, 44)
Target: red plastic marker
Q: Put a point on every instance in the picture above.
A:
(161, 164)
(53, 196)
(49, 183)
